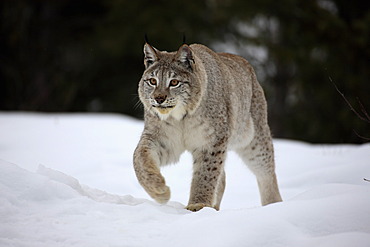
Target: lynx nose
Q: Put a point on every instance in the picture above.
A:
(160, 98)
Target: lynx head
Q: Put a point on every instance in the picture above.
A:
(171, 84)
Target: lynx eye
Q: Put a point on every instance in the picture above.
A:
(152, 81)
(174, 83)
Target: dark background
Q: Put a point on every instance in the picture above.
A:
(86, 56)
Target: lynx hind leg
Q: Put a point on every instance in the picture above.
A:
(259, 157)
(220, 190)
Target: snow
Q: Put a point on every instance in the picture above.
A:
(67, 180)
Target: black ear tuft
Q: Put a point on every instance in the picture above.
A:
(150, 55)
(185, 56)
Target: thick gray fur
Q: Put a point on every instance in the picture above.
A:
(206, 103)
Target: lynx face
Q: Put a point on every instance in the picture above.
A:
(169, 86)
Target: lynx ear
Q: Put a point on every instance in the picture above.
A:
(150, 55)
(185, 56)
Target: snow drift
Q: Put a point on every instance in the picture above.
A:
(67, 180)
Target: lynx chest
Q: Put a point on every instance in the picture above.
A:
(188, 134)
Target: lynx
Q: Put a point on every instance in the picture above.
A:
(206, 103)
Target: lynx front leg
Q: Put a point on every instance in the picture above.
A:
(208, 182)
(146, 165)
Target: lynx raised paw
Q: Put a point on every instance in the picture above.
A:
(161, 195)
(196, 206)
(157, 189)
(155, 185)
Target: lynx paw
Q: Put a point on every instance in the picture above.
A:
(156, 187)
(162, 194)
(196, 206)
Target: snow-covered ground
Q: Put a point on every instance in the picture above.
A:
(67, 180)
